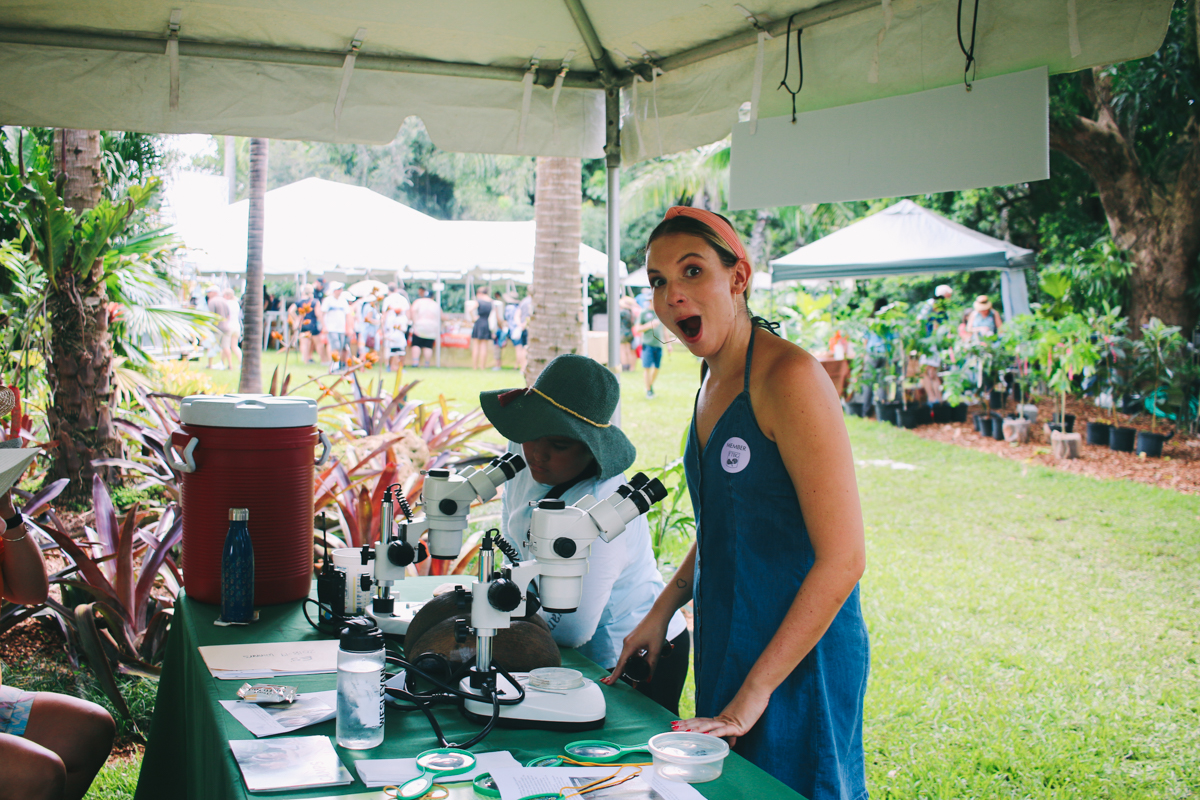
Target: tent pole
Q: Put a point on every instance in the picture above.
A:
(612, 284)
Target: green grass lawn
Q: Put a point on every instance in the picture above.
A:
(1035, 634)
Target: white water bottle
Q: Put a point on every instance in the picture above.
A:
(361, 657)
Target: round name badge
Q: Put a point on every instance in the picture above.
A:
(735, 455)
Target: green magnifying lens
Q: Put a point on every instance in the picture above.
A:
(435, 764)
(485, 786)
(602, 752)
(544, 761)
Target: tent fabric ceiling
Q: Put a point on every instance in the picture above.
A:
(274, 69)
(902, 239)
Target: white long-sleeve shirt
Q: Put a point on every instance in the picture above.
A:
(622, 582)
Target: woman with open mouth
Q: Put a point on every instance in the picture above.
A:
(781, 650)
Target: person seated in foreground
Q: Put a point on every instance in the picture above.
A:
(562, 426)
(51, 745)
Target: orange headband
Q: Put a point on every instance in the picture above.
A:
(714, 221)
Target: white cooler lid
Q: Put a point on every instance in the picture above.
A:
(248, 411)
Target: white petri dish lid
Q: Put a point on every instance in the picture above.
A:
(555, 678)
(688, 748)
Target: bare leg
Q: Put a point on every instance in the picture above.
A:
(31, 772)
(79, 732)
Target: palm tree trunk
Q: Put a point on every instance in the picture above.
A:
(79, 370)
(252, 316)
(555, 326)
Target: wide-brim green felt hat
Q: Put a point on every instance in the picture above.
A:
(574, 397)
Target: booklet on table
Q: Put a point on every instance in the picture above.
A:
(300, 762)
(270, 659)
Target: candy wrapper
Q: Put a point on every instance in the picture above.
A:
(267, 693)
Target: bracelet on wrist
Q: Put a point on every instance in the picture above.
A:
(16, 520)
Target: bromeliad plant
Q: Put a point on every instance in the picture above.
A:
(127, 580)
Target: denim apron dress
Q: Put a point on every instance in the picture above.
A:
(752, 554)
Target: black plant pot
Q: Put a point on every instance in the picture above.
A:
(941, 412)
(996, 400)
(997, 430)
(978, 420)
(886, 412)
(912, 416)
(1098, 433)
(1070, 428)
(958, 413)
(1121, 439)
(855, 409)
(1152, 443)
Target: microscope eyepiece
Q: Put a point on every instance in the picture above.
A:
(655, 491)
(639, 480)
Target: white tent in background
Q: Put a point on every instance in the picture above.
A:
(315, 225)
(907, 239)
(489, 250)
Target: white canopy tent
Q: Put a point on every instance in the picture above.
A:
(526, 77)
(311, 226)
(315, 226)
(906, 239)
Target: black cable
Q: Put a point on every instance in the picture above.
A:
(969, 52)
(787, 45)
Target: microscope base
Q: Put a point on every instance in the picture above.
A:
(581, 709)
(396, 623)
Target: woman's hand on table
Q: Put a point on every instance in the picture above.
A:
(649, 636)
(735, 721)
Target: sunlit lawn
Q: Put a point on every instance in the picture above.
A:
(1035, 634)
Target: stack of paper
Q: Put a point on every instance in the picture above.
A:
(274, 659)
(395, 771)
(275, 718)
(300, 762)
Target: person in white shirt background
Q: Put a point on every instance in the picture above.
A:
(338, 321)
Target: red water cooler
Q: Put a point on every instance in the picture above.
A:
(255, 452)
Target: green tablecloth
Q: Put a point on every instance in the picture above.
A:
(188, 754)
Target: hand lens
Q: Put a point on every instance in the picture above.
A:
(434, 764)
(601, 752)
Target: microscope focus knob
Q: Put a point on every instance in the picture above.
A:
(504, 595)
(448, 507)
(564, 547)
(462, 629)
(400, 553)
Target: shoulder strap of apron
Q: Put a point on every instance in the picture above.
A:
(749, 359)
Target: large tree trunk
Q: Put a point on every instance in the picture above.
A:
(556, 325)
(79, 371)
(252, 301)
(1158, 225)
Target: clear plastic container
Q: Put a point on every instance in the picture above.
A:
(688, 757)
(361, 658)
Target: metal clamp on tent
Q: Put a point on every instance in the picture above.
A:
(347, 72)
(527, 94)
(759, 55)
(888, 15)
(563, 68)
(173, 56)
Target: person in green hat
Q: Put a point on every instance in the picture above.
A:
(562, 426)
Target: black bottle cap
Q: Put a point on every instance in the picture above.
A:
(361, 636)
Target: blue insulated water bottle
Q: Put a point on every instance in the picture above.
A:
(237, 570)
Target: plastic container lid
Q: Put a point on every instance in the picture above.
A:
(361, 636)
(248, 411)
(688, 748)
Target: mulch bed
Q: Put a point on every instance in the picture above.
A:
(1178, 469)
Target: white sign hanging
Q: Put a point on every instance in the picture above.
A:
(940, 140)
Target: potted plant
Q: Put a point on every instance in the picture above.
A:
(1158, 351)
(1066, 351)
(1110, 335)
(882, 341)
